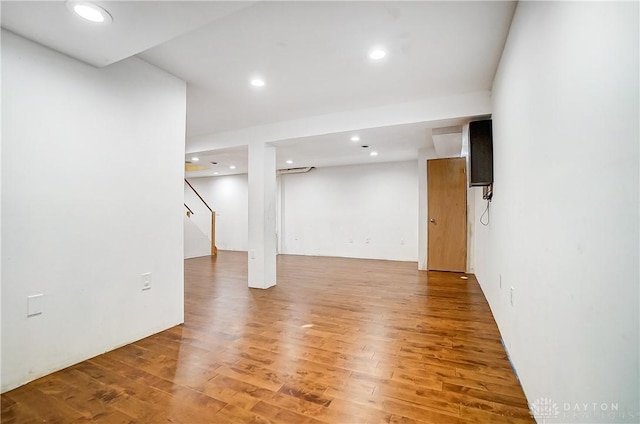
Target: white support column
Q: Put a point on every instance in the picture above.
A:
(262, 215)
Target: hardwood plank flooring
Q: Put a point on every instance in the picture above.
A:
(337, 341)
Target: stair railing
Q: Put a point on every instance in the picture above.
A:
(214, 249)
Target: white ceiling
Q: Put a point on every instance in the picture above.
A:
(312, 55)
(392, 143)
(137, 25)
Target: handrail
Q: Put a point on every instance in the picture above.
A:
(214, 249)
(198, 194)
(188, 208)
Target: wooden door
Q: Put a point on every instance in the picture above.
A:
(447, 215)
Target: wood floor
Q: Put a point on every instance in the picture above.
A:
(339, 341)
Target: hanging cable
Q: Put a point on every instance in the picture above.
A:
(486, 212)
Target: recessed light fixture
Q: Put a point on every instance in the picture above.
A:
(289, 161)
(232, 167)
(195, 159)
(377, 53)
(257, 82)
(374, 153)
(355, 138)
(216, 173)
(89, 11)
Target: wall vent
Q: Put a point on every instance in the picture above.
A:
(295, 170)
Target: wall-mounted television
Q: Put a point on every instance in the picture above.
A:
(480, 153)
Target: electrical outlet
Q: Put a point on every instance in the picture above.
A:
(146, 281)
(401, 242)
(367, 240)
(512, 296)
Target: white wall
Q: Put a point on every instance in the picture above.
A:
(564, 219)
(197, 227)
(423, 201)
(334, 211)
(227, 195)
(83, 216)
(1, 273)
(326, 208)
(196, 243)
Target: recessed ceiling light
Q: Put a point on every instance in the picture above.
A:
(374, 153)
(216, 173)
(355, 138)
(89, 11)
(257, 82)
(232, 167)
(377, 53)
(195, 159)
(289, 161)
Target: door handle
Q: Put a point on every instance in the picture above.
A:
(432, 220)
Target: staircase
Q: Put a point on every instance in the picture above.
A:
(200, 224)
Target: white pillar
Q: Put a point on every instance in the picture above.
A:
(262, 215)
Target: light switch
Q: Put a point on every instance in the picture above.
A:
(146, 281)
(35, 304)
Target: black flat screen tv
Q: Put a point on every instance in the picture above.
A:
(480, 153)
